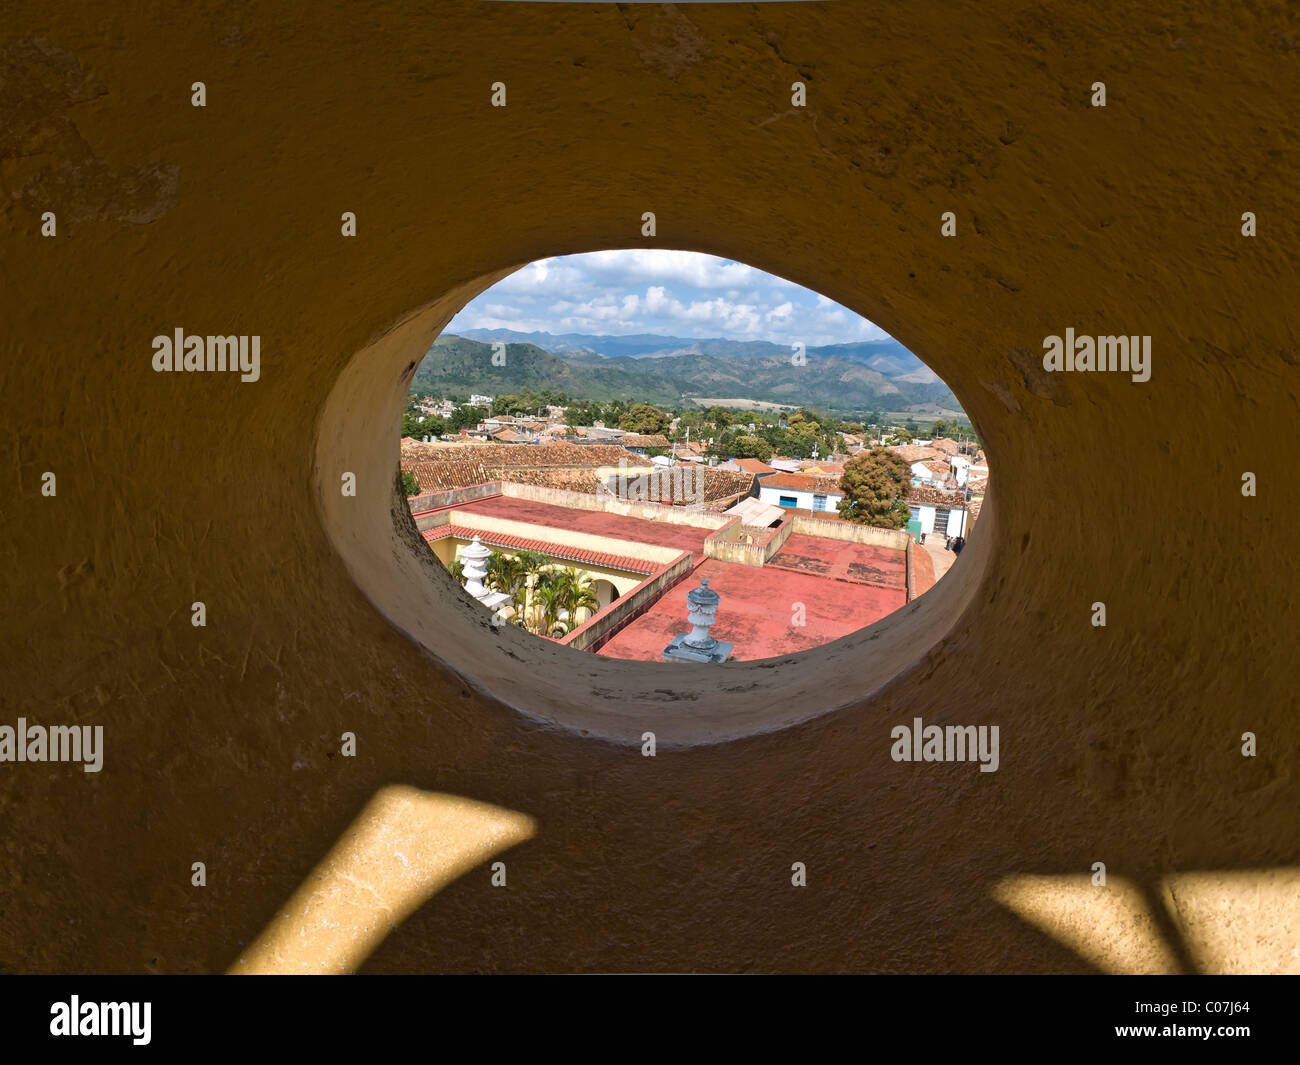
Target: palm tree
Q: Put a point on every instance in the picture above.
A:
(533, 564)
(577, 594)
(534, 561)
(505, 573)
(548, 600)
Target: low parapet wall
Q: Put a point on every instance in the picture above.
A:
(920, 570)
(737, 542)
(596, 631)
(432, 520)
(451, 497)
(898, 539)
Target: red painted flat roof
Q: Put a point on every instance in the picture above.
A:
(842, 560)
(843, 586)
(757, 611)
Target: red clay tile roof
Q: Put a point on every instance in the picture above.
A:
(561, 551)
(440, 476)
(565, 480)
(803, 482)
(928, 496)
(437, 468)
(653, 440)
(528, 456)
(910, 453)
(754, 466)
(678, 485)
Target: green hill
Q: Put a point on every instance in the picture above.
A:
(458, 364)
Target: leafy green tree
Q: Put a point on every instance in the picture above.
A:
(418, 425)
(799, 444)
(466, 417)
(806, 422)
(751, 447)
(583, 413)
(409, 484)
(643, 418)
(875, 486)
(692, 420)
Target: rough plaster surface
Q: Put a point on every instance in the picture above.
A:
(1118, 744)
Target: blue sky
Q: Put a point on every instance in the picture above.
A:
(678, 293)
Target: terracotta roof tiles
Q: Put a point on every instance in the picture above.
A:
(803, 482)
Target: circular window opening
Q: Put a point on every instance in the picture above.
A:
(665, 456)
(670, 487)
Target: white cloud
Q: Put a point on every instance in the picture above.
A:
(674, 293)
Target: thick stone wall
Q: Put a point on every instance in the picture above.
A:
(1118, 744)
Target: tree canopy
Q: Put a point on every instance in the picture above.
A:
(751, 447)
(875, 487)
(643, 418)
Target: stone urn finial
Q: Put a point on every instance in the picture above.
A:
(475, 558)
(701, 613)
(701, 608)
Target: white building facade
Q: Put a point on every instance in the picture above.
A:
(801, 492)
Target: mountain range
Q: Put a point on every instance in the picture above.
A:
(667, 370)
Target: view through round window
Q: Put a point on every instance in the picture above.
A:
(668, 456)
